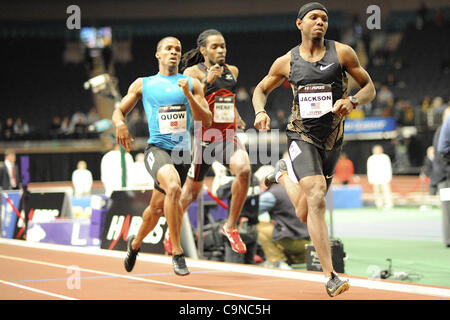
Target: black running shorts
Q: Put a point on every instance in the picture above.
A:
(156, 157)
(206, 153)
(309, 160)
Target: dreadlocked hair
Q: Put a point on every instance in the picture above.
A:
(194, 56)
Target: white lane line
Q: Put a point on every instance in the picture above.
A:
(36, 290)
(241, 268)
(132, 278)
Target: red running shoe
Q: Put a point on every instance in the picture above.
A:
(235, 240)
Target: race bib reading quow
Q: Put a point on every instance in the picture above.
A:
(172, 118)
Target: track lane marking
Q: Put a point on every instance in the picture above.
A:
(241, 268)
(117, 275)
(8, 283)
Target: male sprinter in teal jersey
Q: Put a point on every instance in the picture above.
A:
(317, 70)
(170, 100)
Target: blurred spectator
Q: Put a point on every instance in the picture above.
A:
(55, 127)
(21, 129)
(428, 162)
(82, 180)
(401, 159)
(10, 177)
(390, 80)
(385, 96)
(440, 167)
(421, 17)
(404, 113)
(92, 116)
(111, 170)
(8, 129)
(344, 170)
(279, 121)
(379, 175)
(242, 95)
(349, 37)
(435, 112)
(64, 130)
(248, 219)
(385, 101)
(281, 234)
(444, 138)
(78, 118)
(443, 153)
(140, 176)
(425, 104)
(78, 125)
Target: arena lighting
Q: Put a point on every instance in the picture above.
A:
(103, 85)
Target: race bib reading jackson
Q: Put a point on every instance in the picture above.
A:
(315, 100)
(172, 118)
(224, 110)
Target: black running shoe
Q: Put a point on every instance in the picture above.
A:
(179, 265)
(280, 167)
(336, 286)
(130, 259)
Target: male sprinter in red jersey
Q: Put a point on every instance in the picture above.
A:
(207, 64)
(317, 70)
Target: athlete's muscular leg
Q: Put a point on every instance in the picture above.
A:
(189, 193)
(170, 182)
(315, 190)
(150, 218)
(296, 196)
(240, 168)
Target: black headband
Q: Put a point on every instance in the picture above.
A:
(309, 7)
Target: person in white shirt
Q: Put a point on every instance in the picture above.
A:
(9, 172)
(140, 175)
(379, 175)
(111, 170)
(82, 180)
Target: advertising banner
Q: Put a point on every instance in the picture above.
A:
(124, 217)
(9, 212)
(370, 128)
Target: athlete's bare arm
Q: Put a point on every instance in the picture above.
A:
(278, 73)
(239, 122)
(349, 60)
(199, 105)
(127, 104)
(194, 72)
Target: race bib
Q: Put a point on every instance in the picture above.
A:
(315, 100)
(224, 110)
(172, 118)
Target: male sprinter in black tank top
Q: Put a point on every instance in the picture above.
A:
(317, 71)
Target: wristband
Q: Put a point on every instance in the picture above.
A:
(260, 111)
(119, 123)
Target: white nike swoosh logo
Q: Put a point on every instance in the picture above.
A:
(325, 67)
(329, 177)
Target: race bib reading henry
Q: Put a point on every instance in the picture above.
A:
(172, 118)
(224, 109)
(315, 100)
